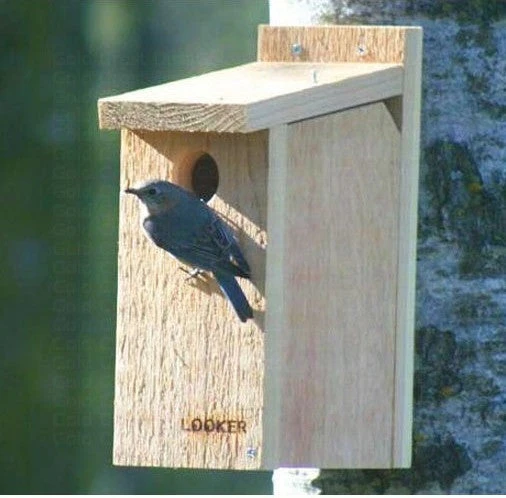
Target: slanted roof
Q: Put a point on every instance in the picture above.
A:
(251, 97)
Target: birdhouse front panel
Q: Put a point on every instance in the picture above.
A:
(189, 373)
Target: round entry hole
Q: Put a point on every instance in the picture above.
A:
(205, 177)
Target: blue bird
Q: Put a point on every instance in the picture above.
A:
(186, 227)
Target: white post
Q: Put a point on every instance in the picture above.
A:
(298, 12)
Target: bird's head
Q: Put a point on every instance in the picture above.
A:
(157, 195)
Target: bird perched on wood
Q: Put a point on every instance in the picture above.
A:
(186, 227)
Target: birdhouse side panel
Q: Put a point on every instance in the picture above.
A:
(332, 350)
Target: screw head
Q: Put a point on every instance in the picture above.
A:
(251, 452)
(361, 50)
(296, 49)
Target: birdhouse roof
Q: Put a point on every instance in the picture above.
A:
(251, 97)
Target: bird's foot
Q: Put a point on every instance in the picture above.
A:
(193, 273)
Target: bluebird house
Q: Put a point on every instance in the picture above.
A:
(310, 156)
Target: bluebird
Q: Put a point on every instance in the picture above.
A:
(180, 223)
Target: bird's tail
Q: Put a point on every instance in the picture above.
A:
(235, 295)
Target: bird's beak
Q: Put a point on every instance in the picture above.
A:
(131, 191)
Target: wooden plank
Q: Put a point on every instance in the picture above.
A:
(182, 354)
(333, 44)
(410, 151)
(330, 351)
(251, 97)
(276, 313)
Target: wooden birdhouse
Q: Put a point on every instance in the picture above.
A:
(310, 155)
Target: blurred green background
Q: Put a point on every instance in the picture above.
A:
(60, 187)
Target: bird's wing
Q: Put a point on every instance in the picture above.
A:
(197, 236)
(215, 247)
(234, 250)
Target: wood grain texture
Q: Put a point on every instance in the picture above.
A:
(251, 97)
(333, 44)
(408, 208)
(276, 311)
(181, 351)
(330, 354)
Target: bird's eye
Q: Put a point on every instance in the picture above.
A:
(152, 191)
